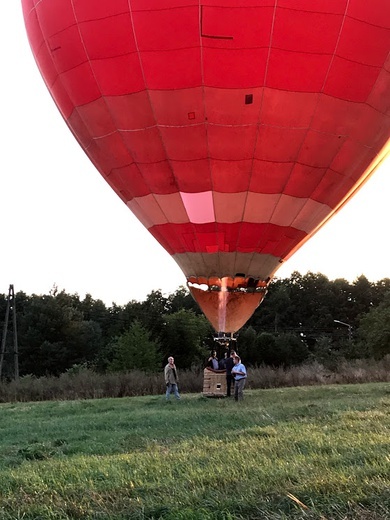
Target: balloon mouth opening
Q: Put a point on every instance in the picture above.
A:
(227, 302)
(240, 284)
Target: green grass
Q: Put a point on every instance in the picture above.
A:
(308, 452)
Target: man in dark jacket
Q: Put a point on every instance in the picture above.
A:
(229, 378)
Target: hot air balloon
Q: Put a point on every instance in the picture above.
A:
(233, 129)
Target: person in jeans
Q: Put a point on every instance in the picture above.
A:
(171, 379)
(239, 374)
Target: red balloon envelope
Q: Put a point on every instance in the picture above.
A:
(233, 129)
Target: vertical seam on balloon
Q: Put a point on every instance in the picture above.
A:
(261, 108)
(34, 8)
(376, 81)
(259, 125)
(206, 125)
(154, 115)
(333, 55)
(318, 102)
(112, 118)
(309, 234)
(146, 87)
(37, 3)
(54, 66)
(318, 99)
(105, 175)
(58, 78)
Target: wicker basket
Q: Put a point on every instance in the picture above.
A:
(214, 383)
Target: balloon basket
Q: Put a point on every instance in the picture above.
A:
(214, 383)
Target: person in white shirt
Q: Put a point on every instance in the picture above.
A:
(239, 374)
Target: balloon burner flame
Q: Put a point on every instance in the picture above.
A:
(223, 296)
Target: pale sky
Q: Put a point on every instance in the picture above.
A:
(62, 224)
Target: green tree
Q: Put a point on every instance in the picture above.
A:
(152, 311)
(184, 336)
(136, 350)
(281, 349)
(247, 346)
(291, 349)
(266, 345)
(182, 299)
(83, 341)
(42, 335)
(382, 287)
(374, 330)
(52, 334)
(274, 313)
(363, 296)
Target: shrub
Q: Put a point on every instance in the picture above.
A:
(85, 383)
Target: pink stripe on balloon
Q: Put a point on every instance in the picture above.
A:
(199, 206)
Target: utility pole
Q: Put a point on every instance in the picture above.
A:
(347, 325)
(11, 307)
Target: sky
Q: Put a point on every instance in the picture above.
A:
(62, 225)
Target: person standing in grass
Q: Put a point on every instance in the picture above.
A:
(239, 374)
(229, 364)
(171, 379)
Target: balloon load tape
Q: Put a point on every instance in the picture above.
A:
(225, 338)
(229, 284)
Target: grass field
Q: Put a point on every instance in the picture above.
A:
(310, 452)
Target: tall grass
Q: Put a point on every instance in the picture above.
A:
(82, 383)
(319, 452)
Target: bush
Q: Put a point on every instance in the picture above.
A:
(85, 383)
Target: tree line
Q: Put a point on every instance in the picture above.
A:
(298, 321)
